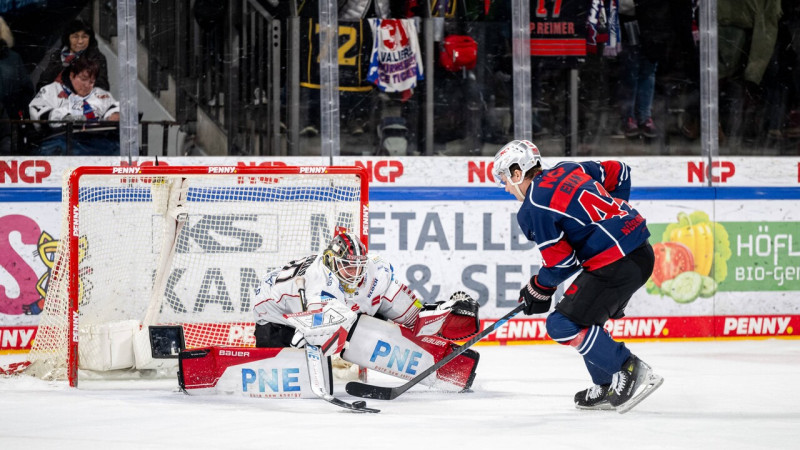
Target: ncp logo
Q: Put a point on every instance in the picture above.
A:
(717, 171)
(31, 171)
(480, 172)
(383, 171)
(250, 179)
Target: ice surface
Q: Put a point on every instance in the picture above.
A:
(716, 395)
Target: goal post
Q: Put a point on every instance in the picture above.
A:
(168, 245)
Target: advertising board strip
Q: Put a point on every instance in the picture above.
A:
(13, 339)
(528, 330)
(726, 235)
(533, 330)
(637, 193)
(411, 193)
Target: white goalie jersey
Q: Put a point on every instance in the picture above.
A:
(379, 294)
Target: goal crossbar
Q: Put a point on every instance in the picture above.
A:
(183, 232)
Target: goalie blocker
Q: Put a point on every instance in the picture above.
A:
(282, 373)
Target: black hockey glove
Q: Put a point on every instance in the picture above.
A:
(537, 298)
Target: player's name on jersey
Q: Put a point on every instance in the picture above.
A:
(553, 28)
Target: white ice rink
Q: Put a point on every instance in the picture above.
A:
(716, 395)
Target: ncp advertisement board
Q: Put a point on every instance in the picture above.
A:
(445, 226)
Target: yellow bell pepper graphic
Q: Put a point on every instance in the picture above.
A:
(699, 237)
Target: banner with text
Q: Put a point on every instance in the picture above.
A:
(726, 236)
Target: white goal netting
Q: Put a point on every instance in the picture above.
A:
(181, 245)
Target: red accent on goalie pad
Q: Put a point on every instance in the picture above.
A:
(396, 350)
(336, 343)
(202, 367)
(460, 371)
(430, 323)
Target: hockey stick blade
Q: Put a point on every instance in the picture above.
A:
(315, 375)
(351, 406)
(363, 390)
(314, 360)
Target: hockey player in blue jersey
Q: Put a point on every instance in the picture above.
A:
(579, 216)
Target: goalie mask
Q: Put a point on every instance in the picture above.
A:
(523, 153)
(346, 257)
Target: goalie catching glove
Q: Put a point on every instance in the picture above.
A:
(454, 319)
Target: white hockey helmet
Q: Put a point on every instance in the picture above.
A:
(521, 152)
(346, 257)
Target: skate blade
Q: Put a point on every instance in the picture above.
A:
(601, 407)
(652, 382)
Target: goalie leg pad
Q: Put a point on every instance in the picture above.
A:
(247, 371)
(395, 350)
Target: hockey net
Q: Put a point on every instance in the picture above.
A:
(180, 245)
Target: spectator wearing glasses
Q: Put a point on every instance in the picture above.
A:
(77, 42)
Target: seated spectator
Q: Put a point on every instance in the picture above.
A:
(78, 41)
(16, 89)
(76, 99)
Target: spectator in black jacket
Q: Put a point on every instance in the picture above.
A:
(78, 41)
(16, 88)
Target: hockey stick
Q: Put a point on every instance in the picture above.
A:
(315, 369)
(390, 393)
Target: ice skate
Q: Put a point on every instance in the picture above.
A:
(596, 397)
(632, 384)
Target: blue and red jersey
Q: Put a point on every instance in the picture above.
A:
(579, 216)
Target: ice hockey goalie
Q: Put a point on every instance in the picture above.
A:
(358, 309)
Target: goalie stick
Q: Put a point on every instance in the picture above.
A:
(315, 375)
(364, 390)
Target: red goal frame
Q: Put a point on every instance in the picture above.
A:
(244, 171)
